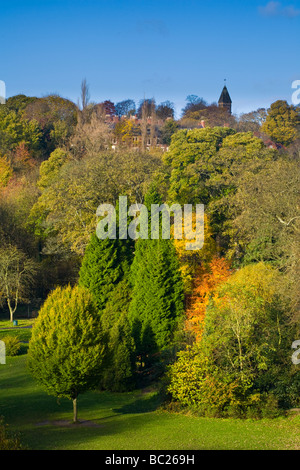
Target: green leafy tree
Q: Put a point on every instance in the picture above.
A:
(56, 117)
(282, 122)
(247, 328)
(16, 202)
(49, 169)
(191, 159)
(65, 213)
(265, 221)
(206, 166)
(122, 347)
(67, 349)
(209, 116)
(244, 353)
(15, 129)
(195, 381)
(247, 308)
(6, 172)
(18, 103)
(266, 225)
(167, 130)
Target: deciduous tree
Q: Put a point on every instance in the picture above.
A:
(125, 108)
(6, 172)
(17, 273)
(205, 289)
(67, 349)
(282, 122)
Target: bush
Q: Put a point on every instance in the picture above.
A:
(12, 345)
(234, 411)
(270, 407)
(195, 382)
(253, 412)
(8, 442)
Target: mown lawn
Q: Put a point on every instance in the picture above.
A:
(114, 421)
(22, 331)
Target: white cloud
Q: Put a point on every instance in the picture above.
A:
(277, 9)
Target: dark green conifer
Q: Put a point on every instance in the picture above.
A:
(105, 263)
(157, 289)
(104, 271)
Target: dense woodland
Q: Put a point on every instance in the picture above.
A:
(214, 326)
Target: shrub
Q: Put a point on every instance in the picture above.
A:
(12, 345)
(8, 442)
(234, 411)
(253, 412)
(270, 407)
(195, 382)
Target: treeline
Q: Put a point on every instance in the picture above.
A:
(218, 323)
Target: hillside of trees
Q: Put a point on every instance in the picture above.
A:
(214, 326)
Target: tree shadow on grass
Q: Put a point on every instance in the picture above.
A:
(46, 424)
(145, 404)
(113, 433)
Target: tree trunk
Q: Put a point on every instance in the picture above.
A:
(75, 410)
(11, 310)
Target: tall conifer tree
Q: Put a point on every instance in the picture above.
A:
(105, 264)
(157, 290)
(104, 271)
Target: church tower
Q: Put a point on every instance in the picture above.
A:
(225, 100)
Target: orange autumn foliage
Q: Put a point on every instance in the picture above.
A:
(22, 158)
(205, 286)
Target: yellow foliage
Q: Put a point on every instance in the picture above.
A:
(125, 129)
(6, 172)
(194, 381)
(193, 260)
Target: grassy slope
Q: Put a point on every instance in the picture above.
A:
(125, 421)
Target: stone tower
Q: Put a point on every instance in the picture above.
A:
(225, 100)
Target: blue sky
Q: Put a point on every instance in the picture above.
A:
(165, 49)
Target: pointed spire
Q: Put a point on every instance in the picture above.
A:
(225, 100)
(225, 97)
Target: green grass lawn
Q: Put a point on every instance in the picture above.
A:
(22, 322)
(22, 331)
(125, 421)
